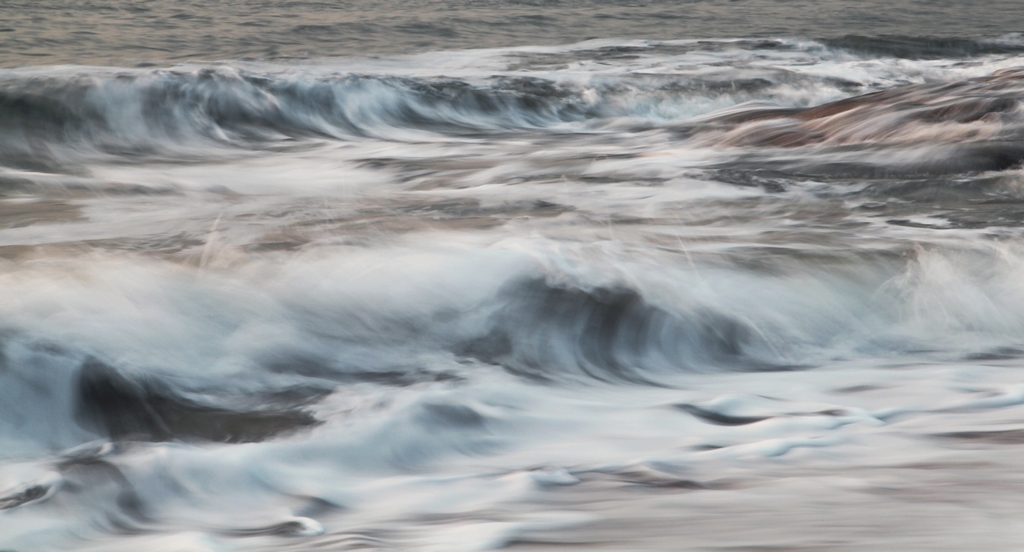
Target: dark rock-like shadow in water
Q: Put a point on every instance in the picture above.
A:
(145, 408)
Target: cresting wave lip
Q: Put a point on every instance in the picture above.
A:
(551, 332)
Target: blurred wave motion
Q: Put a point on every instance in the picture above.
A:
(720, 294)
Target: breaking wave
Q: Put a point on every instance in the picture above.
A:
(771, 117)
(396, 302)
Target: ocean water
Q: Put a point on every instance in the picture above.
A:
(461, 276)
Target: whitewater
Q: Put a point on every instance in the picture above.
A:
(618, 294)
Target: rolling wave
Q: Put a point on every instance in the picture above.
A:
(139, 113)
(938, 128)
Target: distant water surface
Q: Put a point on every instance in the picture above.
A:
(114, 32)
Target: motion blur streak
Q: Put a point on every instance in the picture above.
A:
(620, 294)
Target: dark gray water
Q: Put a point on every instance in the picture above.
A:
(114, 32)
(529, 276)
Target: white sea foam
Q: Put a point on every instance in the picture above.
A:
(471, 300)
